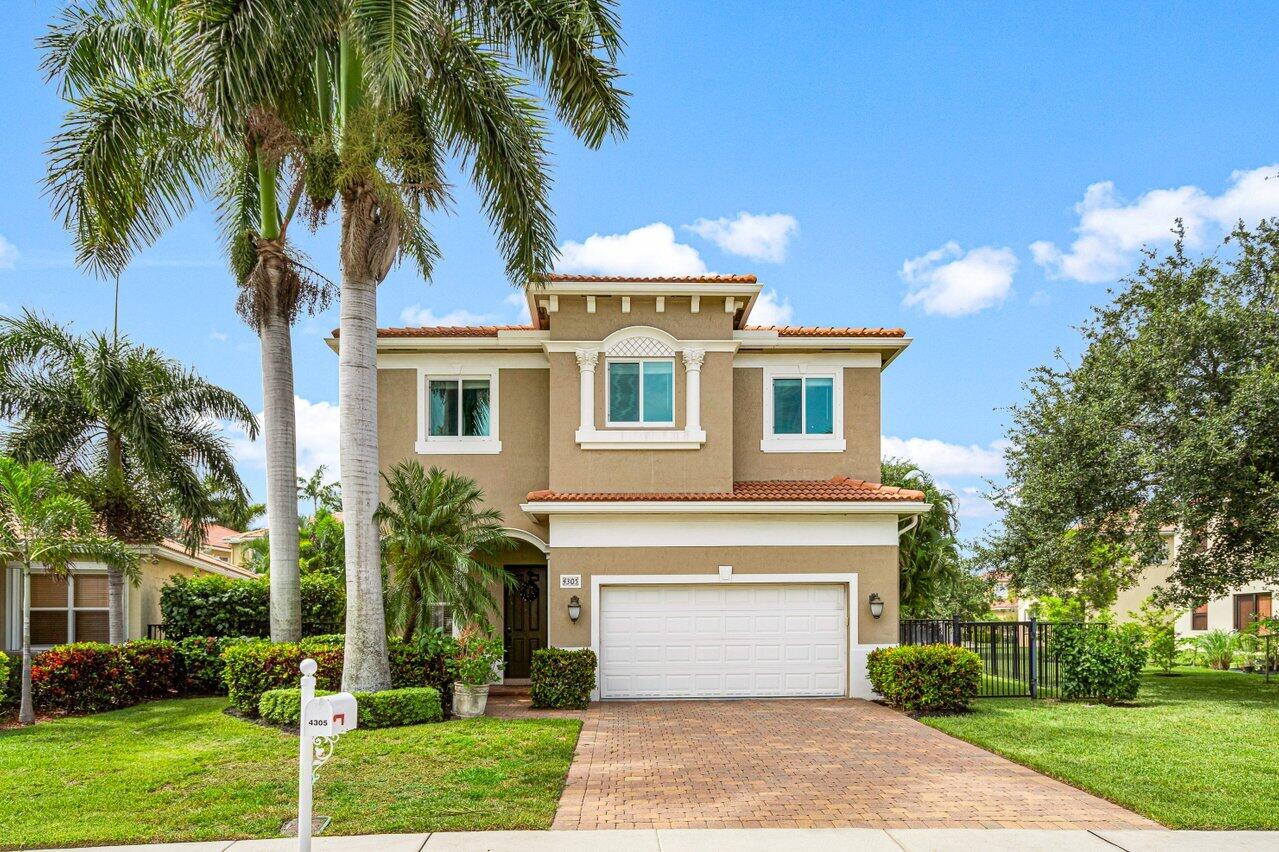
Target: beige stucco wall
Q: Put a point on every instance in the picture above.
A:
(876, 567)
(572, 322)
(506, 477)
(144, 598)
(1221, 611)
(708, 468)
(860, 458)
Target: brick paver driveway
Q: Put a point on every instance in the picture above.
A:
(821, 763)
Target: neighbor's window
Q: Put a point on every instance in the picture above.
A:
(70, 610)
(1199, 618)
(458, 408)
(641, 392)
(1251, 607)
(804, 405)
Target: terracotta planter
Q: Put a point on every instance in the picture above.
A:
(469, 701)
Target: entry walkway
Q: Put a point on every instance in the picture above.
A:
(836, 763)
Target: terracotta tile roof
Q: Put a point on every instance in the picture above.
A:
(827, 331)
(839, 488)
(447, 330)
(215, 535)
(552, 277)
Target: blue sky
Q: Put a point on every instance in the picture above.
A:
(975, 173)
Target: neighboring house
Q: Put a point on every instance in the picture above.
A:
(75, 609)
(238, 545)
(216, 542)
(1233, 611)
(695, 497)
(1004, 603)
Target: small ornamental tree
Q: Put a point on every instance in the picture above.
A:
(43, 526)
(1158, 626)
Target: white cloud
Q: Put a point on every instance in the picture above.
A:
(418, 315)
(939, 458)
(520, 304)
(650, 250)
(317, 439)
(218, 336)
(1111, 232)
(952, 282)
(770, 309)
(8, 254)
(973, 505)
(760, 236)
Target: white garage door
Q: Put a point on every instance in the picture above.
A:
(729, 641)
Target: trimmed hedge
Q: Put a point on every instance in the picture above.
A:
(200, 660)
(256, 667)
(87, 677)
(10, 679)
(212, 605)
(562, 678)
(1099, 662)
(157, 668)
(925, 678)
(391, 708)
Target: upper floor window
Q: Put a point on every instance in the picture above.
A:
(457, 413)
(803, 410)
(458, 408)
(641, 392)
(1199, 618)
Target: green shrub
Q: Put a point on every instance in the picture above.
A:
(1098, 661)
(391, 708)
(212, 605)
(10, 679)
(475, 657)
(926, 678)
(1217, 648)
(157, 667)
(201, 663)
(254, 667)
(86, 677)
(562, 678)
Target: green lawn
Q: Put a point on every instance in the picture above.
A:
(1200, 750)
(183, 770)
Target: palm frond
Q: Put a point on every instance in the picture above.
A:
(90, 43)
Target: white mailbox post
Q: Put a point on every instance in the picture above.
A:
(323, 720)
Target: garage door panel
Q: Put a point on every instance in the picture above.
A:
(723, 641)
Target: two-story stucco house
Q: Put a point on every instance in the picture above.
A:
(696, 496)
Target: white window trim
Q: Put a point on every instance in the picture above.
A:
(14, 591)
(832, 443)
(457, 444)
(641, 426)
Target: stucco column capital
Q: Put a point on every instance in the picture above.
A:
(586, 359)
(693, 359)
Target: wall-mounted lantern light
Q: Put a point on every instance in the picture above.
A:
(876, 605)
(575, 609)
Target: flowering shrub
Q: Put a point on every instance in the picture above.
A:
(86, 677)
(476, 655)
(925, 678)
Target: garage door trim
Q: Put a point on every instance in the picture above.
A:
(848, 580)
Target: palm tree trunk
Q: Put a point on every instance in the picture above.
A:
(26, 712)
(117, 618)
(280, 419)
(279, 429)
(365, 667)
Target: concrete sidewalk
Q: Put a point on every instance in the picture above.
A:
(759, 840)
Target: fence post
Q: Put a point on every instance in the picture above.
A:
(1034, 657)
(954, 631)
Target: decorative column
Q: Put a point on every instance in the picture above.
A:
(693, 389)
(586, 359)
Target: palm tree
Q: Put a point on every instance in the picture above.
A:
(134, 154)
(138, 426)
(230, 509)
(440, 547)
(928, 551)
(41, 524)
(320, 493)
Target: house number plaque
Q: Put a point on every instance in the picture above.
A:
(570, 581)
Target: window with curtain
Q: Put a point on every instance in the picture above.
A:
(68, 610)
(457, 408)
(642, 392)
(804, 405)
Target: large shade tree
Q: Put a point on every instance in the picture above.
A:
(1169, 419)
(139, 147)
(140, 428)
(441, 548)
(43, 526)
(398, 90)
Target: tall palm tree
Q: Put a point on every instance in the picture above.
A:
(440, 547)
(140, 427)
(134, 154)
(320, 493)
(928, 550)
(230, 509)
(42, 525)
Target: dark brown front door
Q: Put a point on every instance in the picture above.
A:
(525, 617)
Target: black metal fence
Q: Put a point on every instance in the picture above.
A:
(1018, 656)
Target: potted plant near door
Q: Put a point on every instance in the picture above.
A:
(475, 665)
